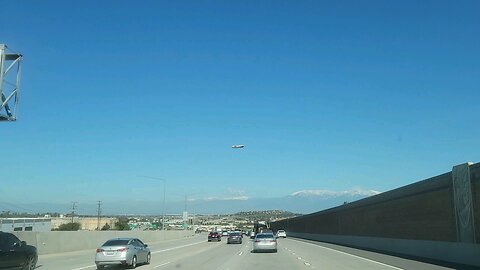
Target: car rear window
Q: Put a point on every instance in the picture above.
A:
(265, 236)
(235, 234)
(116, 243)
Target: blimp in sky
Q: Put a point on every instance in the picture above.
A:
(238, 146)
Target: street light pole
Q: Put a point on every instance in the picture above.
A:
(164, 195)
(163, 210)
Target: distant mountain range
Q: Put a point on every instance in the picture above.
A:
(304, 201)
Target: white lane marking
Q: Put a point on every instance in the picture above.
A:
(299, 258)
(307, 264)
(168, 249)
(160, 265)
(240, 254)
(85, 267)
(355, 256)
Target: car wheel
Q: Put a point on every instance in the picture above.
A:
(133, 265)
(149, 257)
(100, 267)
(275, 251)
(209, 240)
(30, 263)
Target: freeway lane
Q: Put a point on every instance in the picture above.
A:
(86, 259)
(294, 254)
(196, 253)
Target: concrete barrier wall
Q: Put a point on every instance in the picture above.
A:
(475, 178)
(59, 241)
(444, 209)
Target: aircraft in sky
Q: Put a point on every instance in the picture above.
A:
(236, 146)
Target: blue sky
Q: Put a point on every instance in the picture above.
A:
(324, 94)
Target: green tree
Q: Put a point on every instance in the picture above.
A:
(106, 227)
(75, 226)
(122, 224)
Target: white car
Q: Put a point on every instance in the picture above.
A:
(265, 242)
(281, 233)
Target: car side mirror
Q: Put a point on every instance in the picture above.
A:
(146, 245)
(23, 243)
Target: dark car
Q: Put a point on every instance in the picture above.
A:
(214, 236)
(234, 238)
(16, 254)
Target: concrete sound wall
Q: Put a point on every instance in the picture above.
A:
(59, 241)
(443, 210)
(475, 178)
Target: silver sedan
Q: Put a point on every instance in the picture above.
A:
(265, 242)
(122, 251)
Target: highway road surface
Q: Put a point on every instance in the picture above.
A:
(196, 253)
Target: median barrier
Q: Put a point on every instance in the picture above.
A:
(67, 241)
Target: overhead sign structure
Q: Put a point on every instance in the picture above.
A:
(9, 83)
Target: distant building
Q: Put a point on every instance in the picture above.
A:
(25, 224)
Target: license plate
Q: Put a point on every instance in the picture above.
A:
(110, 252)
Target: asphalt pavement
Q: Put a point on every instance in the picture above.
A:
(196, 253)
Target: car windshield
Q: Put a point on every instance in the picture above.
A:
(116, 243)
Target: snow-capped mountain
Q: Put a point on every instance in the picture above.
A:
(303, 201)
(330, 193)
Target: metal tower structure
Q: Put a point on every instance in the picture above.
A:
(9, 83)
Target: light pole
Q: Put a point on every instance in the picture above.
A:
(185, 211)
(164, 192)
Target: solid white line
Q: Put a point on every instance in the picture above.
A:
(240, 254)
(168, 249)
(85, 267)
(160, 265)
(363, 258)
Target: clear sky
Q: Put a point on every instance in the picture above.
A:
(324, 94)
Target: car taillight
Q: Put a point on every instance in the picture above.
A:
(209, 235)
(99, 250)
(122, 249)
(272, 241)
(256, 241)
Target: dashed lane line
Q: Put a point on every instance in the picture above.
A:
(85, 267)
(168, 249)
(355, 256)
(160, 265)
